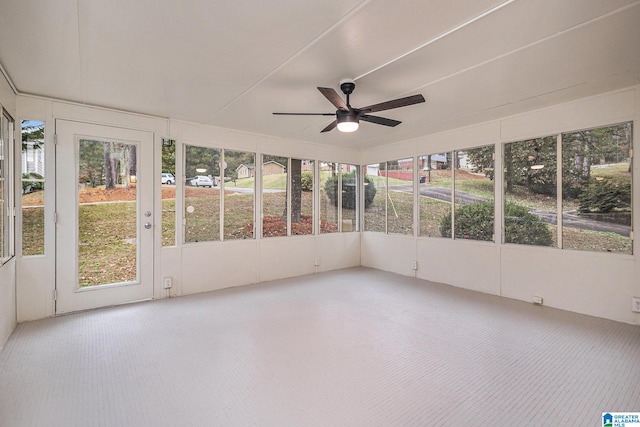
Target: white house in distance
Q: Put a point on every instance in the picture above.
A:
(33, 157)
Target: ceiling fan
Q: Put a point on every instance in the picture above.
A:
(348, 118)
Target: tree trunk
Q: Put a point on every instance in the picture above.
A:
(108, 167)
(115, 170)
(296, 190)
(131, 167)
(509, 168)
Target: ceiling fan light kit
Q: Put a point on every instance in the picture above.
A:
(347, 121)
(348, 118)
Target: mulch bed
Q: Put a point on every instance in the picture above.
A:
(275, 226)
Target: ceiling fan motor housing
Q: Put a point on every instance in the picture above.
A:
(347, 87)
(347, 116)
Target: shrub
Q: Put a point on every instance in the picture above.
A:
(475, 221)
(523, 227)
(29, 186)
(349, 189)
(605, 195)
(306, 182)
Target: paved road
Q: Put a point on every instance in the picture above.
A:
(572, 219)
(569, 219)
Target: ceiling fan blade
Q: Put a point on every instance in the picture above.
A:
(379, 120)
(333, 98)
(396, 103)
(304, 114)
(330, 126)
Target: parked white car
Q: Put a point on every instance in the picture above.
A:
(201, 181)
(168, 178)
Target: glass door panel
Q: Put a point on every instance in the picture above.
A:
(104, 205)
(107, 213)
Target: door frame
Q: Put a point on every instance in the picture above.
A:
(68, 296)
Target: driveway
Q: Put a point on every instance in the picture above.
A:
(569, 219)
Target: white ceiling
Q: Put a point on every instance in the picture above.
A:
(231, 63)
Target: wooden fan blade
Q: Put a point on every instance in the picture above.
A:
(330, 126)
(396, 103)
(333, 98)
(379, 120)
(304, 114)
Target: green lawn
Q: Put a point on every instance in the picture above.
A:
(431, 213)
(33, 230)
(400, 213)
(618, 169)
(272, 182)
(465, 181)
(107, 243)
(278, 181)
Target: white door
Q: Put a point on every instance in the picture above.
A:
(104, 228)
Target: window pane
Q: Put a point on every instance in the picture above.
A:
(168, 192)
(596, 185)
(474, 206)
(107, 232)
(301, 197)
(274, 195)
(349, 198)
(32, 187)
(375, 194)
(435, 194)
(530, 207)
(202, 194)
(400, 204)
(239, 194)
(332, 177)
(329, 197)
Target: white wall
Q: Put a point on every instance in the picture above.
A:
(207, 266)
(599, 284)
(7, 300)
(194, 267)
(7, 271)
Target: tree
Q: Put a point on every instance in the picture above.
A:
(531, 164)
(91, 159)
(169, 157)
(296, 190)
(583, 149)
(203, 158)
(481, 160)
(32, 132)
